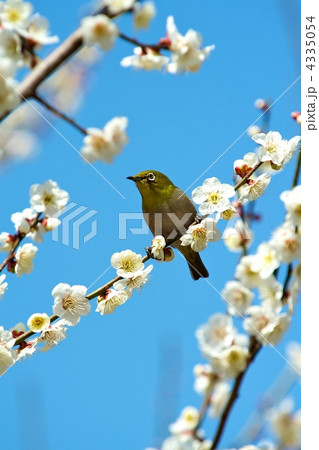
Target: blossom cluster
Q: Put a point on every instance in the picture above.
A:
(47, 201)
(255, 295)
(186, 54)
(214, 197)
(132, 275)
(21, 35)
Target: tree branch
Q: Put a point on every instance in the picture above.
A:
(253, 350)
(62, 53)
(59, 113)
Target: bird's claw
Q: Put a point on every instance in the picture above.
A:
(149, 252)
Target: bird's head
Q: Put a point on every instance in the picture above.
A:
(151, 183)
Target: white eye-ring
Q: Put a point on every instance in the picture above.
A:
(151, 177)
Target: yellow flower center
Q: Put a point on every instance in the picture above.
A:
(68, 302)
(48, 199)
(239, 297)
(38, 322)
(214, 198)
(127, 265)
(199, 233)
(13, 15)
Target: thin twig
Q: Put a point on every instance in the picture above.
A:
(59, 113)
(100, 291)
(248, 175)
(18, 239)
(297, 170)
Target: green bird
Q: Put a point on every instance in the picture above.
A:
(169, 212)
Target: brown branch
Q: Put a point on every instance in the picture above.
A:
(155, 47)
(61, 54)
(297, 170)
(18, 239)
(249, 174)
(253, 350)
(100, 291)
(59, 113)
(254, 345)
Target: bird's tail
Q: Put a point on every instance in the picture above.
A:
(194, 261)
(197, 268)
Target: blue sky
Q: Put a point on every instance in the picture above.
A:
(119, 380)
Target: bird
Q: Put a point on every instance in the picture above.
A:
(168, 212)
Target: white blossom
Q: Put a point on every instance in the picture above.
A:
(127, 263)
(292, 201)
(157, 247)
(111, 300)
(266, 260)
(238, 297)
(294, 355)
(6, 241)
(213, 196)
(117, 6)
(267, 326)
(287, 243)
(254, 129)
(22, 220)
(15, 13)
(7, 358)
(52, 335)
(106, 143)
(274, 148)
(290, 148)
(187, 421)
(271, 293)
(10, 46)
(43, 226)
(48, 198)
(3, 285)
(99, 30)
(186, 52)
(254, 187)
(198, 236)
(231, 361)
(9, 96)
(247, 272)
(146, 59)
(70, 303)
(135, 282)
(143, 14)
(238, 236)
(219, 399)
(37, 32)
(243, 166)
(204, 377)
(185, 441)
(228, 214)
(215, 335)
(285, 424)
(24, 259)
(38, 322)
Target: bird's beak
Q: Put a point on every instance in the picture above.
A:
(134, 179)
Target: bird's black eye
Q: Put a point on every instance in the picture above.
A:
(151, 177)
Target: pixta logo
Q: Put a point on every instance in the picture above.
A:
(72, 223)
